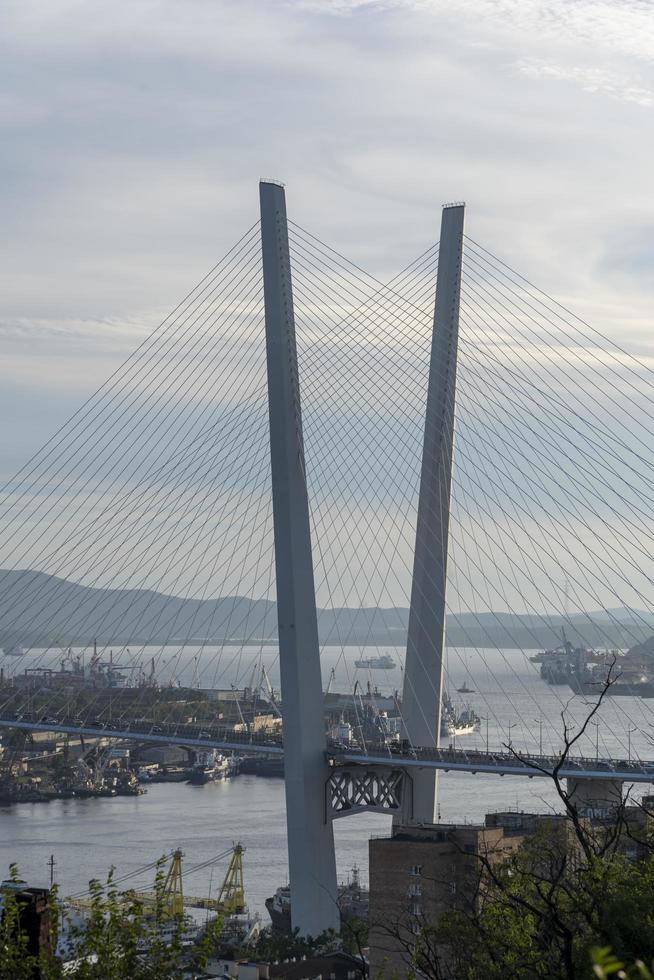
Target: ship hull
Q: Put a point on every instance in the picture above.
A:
(280, 920)
(270, 768)
(353, 902)
(199, 777)
(617, 690)
(453, 732)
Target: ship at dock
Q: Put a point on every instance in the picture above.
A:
(588, 672)
(353, 903)
(75, 672)
(561, 664)
(592, 681)
(211, 766)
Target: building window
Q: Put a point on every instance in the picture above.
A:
(415, 869)
(415, 908)
(415, 891)
(453, 887)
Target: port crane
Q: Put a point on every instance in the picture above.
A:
(171, 898)
(231, 897)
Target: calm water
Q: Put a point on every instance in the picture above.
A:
(88, 836)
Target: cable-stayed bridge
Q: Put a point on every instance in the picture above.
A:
(288, 368)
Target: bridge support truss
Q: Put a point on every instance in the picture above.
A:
(357, 789)
(312, 864)
(423, 675)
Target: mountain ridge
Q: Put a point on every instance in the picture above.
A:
(39, 609)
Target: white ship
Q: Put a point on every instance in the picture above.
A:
(211, 765)
(385, 662)
(453, 722)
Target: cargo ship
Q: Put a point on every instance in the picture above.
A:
(591, 683)
(586, 671)
(566, 663)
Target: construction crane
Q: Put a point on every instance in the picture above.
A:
(173, 888)
(171, 899)
(271, 692)
(231, 897)
(246, 725)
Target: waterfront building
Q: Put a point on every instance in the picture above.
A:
(422, 871)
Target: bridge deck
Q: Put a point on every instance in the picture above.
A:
(195, 736)
(455, 760)
(501, 764)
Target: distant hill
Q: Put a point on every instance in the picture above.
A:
(644, 650)
(37, 609)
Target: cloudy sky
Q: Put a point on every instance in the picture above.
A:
(134, 134)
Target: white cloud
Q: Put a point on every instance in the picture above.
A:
(134, 135)
(593, 80)
(625, 26)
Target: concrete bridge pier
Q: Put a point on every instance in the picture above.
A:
(595, 798)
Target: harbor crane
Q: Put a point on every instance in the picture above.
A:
(171, 898)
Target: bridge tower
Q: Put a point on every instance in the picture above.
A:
(312, 863)
(423, 674)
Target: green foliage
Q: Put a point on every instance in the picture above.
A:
(15, 962)
(119, 938)
(271, 945)
(548, 912)
(354, 935)
(606, 965)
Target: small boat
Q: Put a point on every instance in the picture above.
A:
(465, 689)
(384, 662)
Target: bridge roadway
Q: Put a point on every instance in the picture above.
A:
(448, 759)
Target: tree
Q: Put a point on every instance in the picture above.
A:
(270, 946)
(121, 937)
(606, 965)
(541, 913)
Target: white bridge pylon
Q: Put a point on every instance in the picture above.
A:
(312, 866)
(422, 694)
(311, 858)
